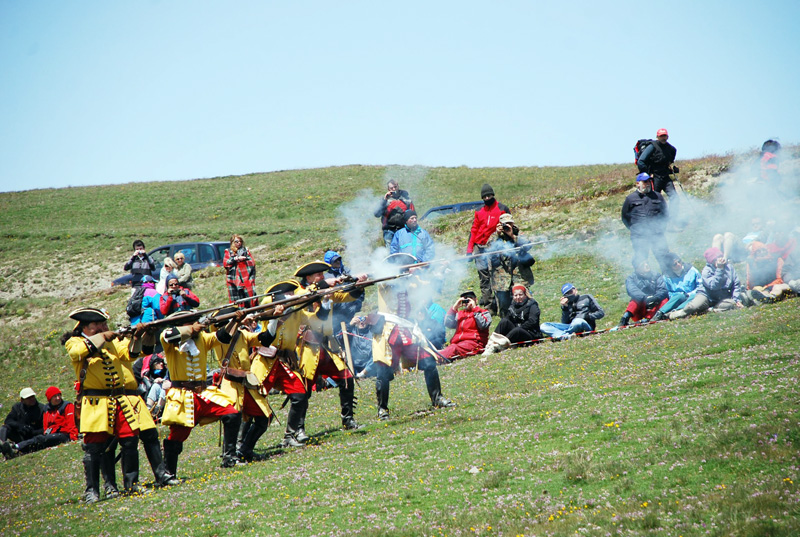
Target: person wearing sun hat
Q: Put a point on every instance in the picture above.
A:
(105, 406)
(22, 423)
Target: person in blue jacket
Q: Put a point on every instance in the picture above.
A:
(683, 281)
(413, 240)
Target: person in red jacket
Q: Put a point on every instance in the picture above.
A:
(59, 425)
(484, 226)
(472, 327)
(177, 298)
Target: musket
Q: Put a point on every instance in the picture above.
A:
(470, 257)
(249, 298)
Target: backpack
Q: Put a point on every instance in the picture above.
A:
(639, 147)
(395, 213)
(134, 307)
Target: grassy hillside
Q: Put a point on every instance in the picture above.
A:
(685, 428)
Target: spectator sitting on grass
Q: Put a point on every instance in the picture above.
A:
(22, 423)
(157, 377)
(472, 327)
(579, 313)
(683, 281)
(58, 421)
(648, 293)
(764, 268)
(721, 289)
(521, 323)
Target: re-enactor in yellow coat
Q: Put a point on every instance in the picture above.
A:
(237, 381)
(317, 359)
(397, 342)
(191, 400)
(107, 408)
(283, 368)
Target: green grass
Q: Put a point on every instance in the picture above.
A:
(684, 428)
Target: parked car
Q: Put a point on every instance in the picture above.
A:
(198, 254)
(452, 208)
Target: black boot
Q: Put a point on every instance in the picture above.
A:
(108, 468)
(243, 428)
(434, 385)
(382, 383)
(91, 470)
(152, 448)
(258, 426)
(626, 317)
(172, 449)
(347, 400)
(129, 447)
(659, 316)
(299, 404)
(230, 430)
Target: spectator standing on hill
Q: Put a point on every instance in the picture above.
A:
(140, 264)
(177, 298)
(22, 423)
(147, 306)
(413, 240)
(579, 313)
(471, 323)
(392, 210)
(648, 292)
(167, 270)
(658, 160)
(721, 289)
(683, 281)
(484, 225)
(183, 270)
(644, 213)
(768, 163)
(241, 272)
(511, 264)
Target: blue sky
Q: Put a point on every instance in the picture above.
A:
(110, 92)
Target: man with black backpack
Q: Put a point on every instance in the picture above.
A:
(392, 210)
(657, 158)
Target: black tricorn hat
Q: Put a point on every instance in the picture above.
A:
(88, 315)
(312, 268)
(286, 287)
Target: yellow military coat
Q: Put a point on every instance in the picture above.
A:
(105, 372)
(179, 409)
(240, 359)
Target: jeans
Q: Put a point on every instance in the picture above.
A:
(156, 392)
(388, 235)
(559, 330)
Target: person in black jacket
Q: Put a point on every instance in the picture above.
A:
(644, 213)
(520, 324)
(23, 422)
(140, 264)
(648, 292)
(658, 160)
(579, 313)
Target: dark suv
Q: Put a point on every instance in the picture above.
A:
(198, 254)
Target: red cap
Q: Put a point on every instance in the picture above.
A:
(662, 131)
(52, 391)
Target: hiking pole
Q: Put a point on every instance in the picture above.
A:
(683, 190)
